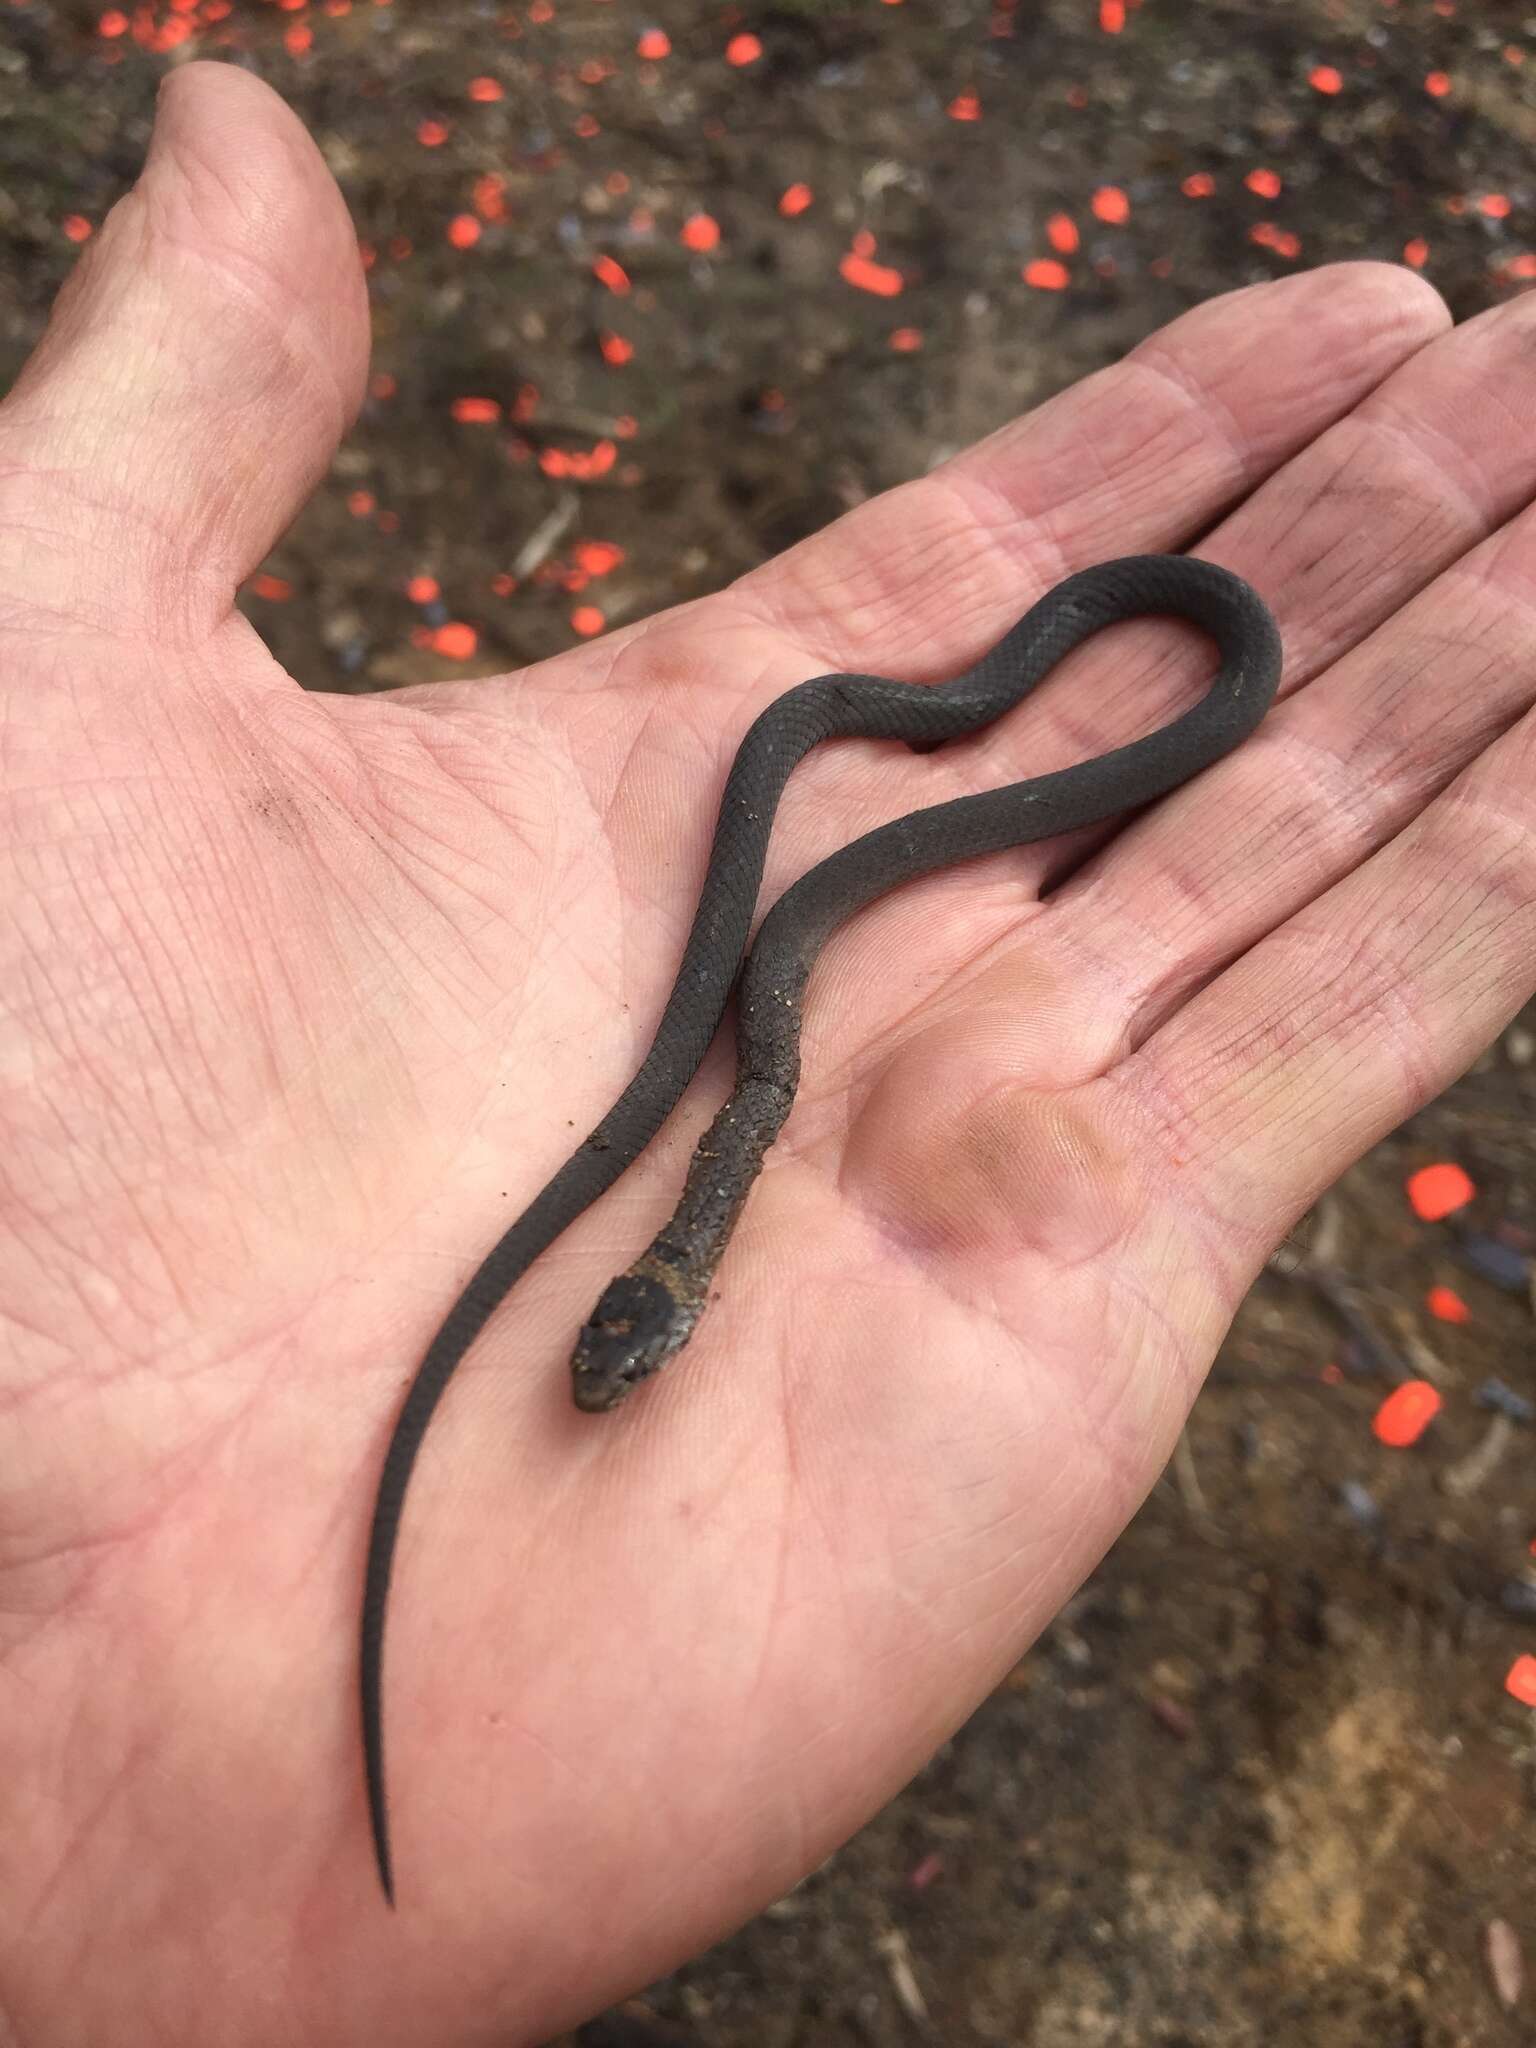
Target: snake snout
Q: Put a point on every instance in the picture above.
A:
(630, 1334)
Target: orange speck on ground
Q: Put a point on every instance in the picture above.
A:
(1061, 233)
(1046, 275)
(1111, 16)
(456, 640)
(1523, 265)
(361, 504)
(477, 412)
(423, 590)
(526, 403)
(77, 227)
(1520, 1682)
(113, 23)
(863, 243)
(275, 589)
(298, 39)
(1437, 84)
(616, 348)
(383, 385)
(743, 49)
(868, 276)
(1265, 183)
(597, 557)
(906, 339)
(612, 274)
(503, 584)
(587, 620)
(490, 203)
(1111, 204)
(1198, 185)
(464, 230)
(1324, 78)
(387, 522)
(1447, 1305)
(486, 90)
(1332, 1375)
(587, 125)
(1416, 253)
(432, 134)
(1281, 240)
(1495, 205)
(965, 106)
(795, 199)
(700, 231)
(654, 45)
(1435, 1191)
(540, 12)
(1406, 1413)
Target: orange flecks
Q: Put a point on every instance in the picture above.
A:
(1513, 54)
(113, 23)
(77, 227)
(1495, 205)
(616, 183)
(477, 412)
(490, 202)
(1520, 1683)
(700, 231)
(1446, 1304)
(795, 199)
(594, 71)
(1047, 275)
(1198, 185)
(526, 403)
(1111, 16)
(642, 220)
(387, 522)
(1416, 253)
(423, 590)
(1523, 265)
(486, 90)
(1061, 233)
(1435, 1191)
(464, 230)
(298, 39)
(275, 589)
(616, 348)
(171, 35)
(541, 11)
(1437, 84)
(456, 640)
(863, 243)
(383, 385)
(743, 49)
(905, 340)
(362, 504)
(1406, 1413)
(1332, 1375)
(432, 134)
(1265, 183)
(1281, 240)
(597, 557)
(965, 106)
(1456, 204)
(626, 426)
(587, 125)
(503, 584)
(1324, 78)
(866, 275)
(587, 620)
(654, 45)
(612, 274)
(1111, 204)
(575, 462)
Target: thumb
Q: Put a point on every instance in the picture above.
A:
(199, 368)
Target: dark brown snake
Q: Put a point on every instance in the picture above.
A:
(648, 1313)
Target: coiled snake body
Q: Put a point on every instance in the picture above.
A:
(649, 1312)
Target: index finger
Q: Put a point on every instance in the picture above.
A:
(1141, 457)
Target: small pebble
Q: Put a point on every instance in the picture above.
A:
(1361, 1505)
(1500, 1263)
(1506, 1965)
(1518, 1596)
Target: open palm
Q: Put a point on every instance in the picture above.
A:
(302, 997)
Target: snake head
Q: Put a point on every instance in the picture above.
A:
(633, 1331)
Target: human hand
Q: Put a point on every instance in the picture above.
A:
(304, 995)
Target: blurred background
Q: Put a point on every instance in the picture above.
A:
(658, 290)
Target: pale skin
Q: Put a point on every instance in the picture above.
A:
(301, 997)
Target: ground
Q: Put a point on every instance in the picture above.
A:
(657, 292)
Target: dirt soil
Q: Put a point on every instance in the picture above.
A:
(1263, 1782)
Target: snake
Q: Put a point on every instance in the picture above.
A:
(647, 1314)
